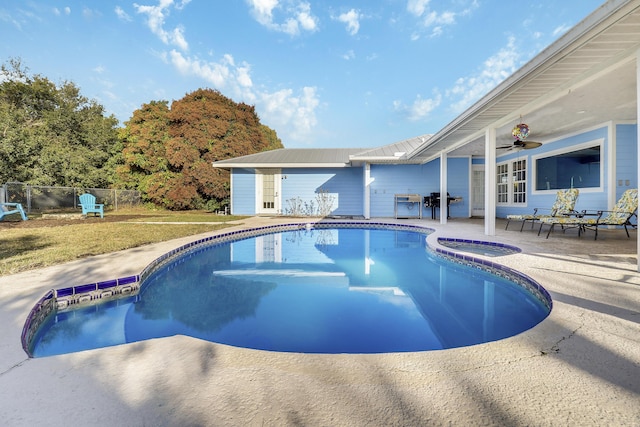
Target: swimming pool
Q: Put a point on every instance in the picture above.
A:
(332, 288)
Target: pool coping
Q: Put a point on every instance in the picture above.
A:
(90, 293)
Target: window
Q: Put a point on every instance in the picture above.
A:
(512, 183)
(572, 168)
(519, 181)
(503, 183)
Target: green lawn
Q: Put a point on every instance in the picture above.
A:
(42, 243)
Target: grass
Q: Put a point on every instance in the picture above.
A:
(44, 243)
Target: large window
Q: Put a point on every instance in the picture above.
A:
(572, 168)
(512, 183)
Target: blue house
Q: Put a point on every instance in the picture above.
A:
(578, 98)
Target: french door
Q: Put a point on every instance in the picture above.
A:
(268, 192)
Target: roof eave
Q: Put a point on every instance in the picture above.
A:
(278, 165)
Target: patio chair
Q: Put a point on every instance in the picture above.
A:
(564, 204)
(12, 208)
(89, 205)
(621, 215)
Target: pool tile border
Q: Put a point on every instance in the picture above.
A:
(75, 296)
(457, 243)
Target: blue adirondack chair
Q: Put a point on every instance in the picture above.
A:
(89, 205)
(12, 208)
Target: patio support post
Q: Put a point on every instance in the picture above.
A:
(444, 208)
(638, 138)
(490, 182)
(366, 208)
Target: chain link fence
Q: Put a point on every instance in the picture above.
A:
(40, 198)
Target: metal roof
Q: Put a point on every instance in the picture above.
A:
(292, 157)
(399, 152)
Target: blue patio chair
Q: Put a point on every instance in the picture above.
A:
(12, 208)
(89, 205)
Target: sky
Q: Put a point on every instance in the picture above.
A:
(322, 74)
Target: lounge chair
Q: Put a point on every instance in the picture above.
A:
(89, 205)
(564, 204)
(621, 215)
(12, 208)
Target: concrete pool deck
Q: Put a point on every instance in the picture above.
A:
(580, 366)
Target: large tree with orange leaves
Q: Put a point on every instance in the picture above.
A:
(167, 153)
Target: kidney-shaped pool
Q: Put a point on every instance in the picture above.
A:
(312, 290)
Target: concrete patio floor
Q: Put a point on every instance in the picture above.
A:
(580, 366)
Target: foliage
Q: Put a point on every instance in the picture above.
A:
(167, 153)
(52, 135)
(322, 206)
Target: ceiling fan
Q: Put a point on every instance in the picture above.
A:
(518, 144)
(520, 132)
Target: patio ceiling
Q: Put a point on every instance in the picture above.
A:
(586, 78)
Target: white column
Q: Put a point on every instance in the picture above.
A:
(366, 199)
(638, 134)
(490, 182)
(444, 211)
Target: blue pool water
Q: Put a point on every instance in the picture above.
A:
(342, 290)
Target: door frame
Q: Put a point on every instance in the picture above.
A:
(277, 189)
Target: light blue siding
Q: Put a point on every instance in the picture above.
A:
(243, 192)
(588, 199)
(626, 158)
(343, 185)
(388, 180)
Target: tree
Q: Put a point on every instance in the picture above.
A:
(50, 134)
(168, 152)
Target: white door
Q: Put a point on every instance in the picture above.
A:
(268, 192)
(477, 190)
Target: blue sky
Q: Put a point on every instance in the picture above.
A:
(354, 73)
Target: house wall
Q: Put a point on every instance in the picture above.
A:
(342, 185)
(388, 180)
(589, 199)
(243, 192)
(626, 175)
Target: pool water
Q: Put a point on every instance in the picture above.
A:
(341, 290)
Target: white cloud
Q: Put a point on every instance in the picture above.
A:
(561, 30)
(420, 108)
(433, 20)
(496, 69)
(352, 19)
(350, 54)
(417, 7)
(296, 15)
(292, 114)
(122, 14)
(156, 19)
(66, 11)
(295, 114)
